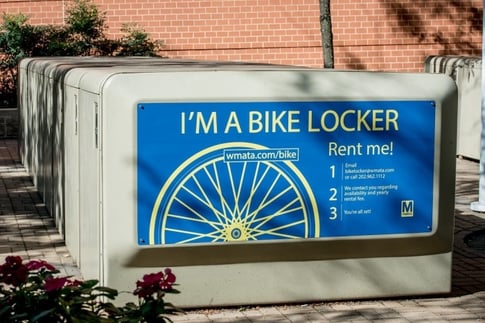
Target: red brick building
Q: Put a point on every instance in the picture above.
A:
(392, 35)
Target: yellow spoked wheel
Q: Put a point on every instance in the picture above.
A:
(208, 199)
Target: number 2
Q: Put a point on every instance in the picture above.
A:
(333, 197)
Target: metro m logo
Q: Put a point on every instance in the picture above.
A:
(407, 208)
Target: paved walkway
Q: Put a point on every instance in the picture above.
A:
(27, 230)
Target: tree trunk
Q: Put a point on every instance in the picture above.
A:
(327, 35)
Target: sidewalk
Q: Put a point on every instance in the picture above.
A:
(27, 230)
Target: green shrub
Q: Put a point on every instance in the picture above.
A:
(136, 42)
(82, 35)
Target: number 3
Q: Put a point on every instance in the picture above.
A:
(333, 212)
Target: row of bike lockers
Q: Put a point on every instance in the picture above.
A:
(311, 184)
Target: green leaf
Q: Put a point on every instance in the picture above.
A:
(107, 290)
(42, 314)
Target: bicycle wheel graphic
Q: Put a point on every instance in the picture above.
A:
(207, 199)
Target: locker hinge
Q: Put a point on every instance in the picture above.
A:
(75, 115)
(96, 125)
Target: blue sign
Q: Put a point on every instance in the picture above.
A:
(244, 171)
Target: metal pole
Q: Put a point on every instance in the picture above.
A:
(479, 206)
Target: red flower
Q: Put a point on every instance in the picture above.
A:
(56, 283)
(168, 280)
(39, 264)
(153, 283)
(13, 272)
(13, 260)
(149, 285)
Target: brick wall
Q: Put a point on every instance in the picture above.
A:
(368, 34)
(398, 35)
(39, 12)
